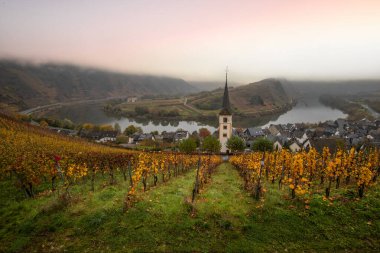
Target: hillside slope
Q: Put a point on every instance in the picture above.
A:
(23, 86)
(265, 95)
(339, 88)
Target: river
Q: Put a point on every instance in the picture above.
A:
(93, 113)
(308, 111)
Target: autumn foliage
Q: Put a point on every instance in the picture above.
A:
(32, 155)
(306, 171)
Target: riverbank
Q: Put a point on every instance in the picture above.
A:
(374, 104)
(179, 110)
(306, 110)
(46, 108)
(354, 110)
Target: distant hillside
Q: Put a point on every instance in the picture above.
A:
(23, 85)
(265, 95)
(345, 88)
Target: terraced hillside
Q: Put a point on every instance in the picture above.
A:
(266, 95)
(23, 86)
(256, 99)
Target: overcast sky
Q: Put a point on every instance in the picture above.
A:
(195, 40)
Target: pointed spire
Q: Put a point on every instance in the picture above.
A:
(226, 99)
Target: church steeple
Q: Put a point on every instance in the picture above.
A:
(226, 108)
(225, 120)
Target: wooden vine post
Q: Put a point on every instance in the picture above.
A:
(196, 185)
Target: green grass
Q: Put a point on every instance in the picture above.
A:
(223, 218)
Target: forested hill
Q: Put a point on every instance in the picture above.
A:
(24, 85)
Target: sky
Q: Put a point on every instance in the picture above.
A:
(197, 39)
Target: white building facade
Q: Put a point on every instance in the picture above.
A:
(225, 131)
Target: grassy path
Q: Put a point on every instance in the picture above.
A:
(225, 209)
(238, 223)
(225, 195)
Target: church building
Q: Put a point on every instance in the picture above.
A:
(225, 121)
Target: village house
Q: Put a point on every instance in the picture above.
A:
(168, 137)
(288, 127)
(343, 126)
(306, 145)
(181, 135)
(106, 139)
(275, 129)
(238, 132)
(158, 138)
(331, 143)
(144, 137)
(98, 135)
(253, 133)
(300, 136)
(133, 138)
(64, 131)
(131, 99)
(329, 131)
(279, 142)
(299, 141)
(137, 138)
(294, 146)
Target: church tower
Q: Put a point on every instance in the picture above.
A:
(225, 120)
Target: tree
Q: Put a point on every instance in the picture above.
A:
(106, 128)
(262, 144)
(235, 144)
(117, 127)
(173, 113)
(286, 145)
(195, 137)
(187, 146)
(131, 129)
(24, 117)
(88, 126)
(67, 124)
(141, 110)
(211, 144)
(121, 139)
(43, 123)
(204, 132)
(96, 128)
(139, 130)
(149, 143)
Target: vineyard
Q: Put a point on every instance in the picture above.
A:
(307, 172)
(66, 194)
(32, 155)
